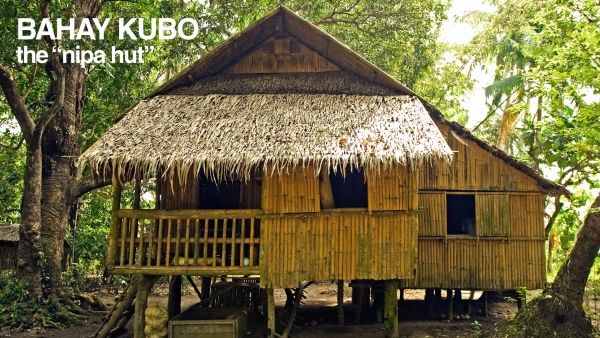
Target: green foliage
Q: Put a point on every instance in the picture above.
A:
(12, 154)
(93, 224)
(542, 107)
(17, 314)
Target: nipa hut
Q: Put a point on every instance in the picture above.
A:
(286, 155)
(9, 241)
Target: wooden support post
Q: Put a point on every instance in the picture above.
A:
(377, 289)
(205, 288)
(437, 292)
(484, 309)
(401, 295)
(390, 309)
(458, 310)
(141, 302)
(114, 226)
(521, 299)
(137, 191)
(340, 302)
(429, 299)
(354, 293)
(270, 313)
(450, 304)
(174, 302)
(359, 303)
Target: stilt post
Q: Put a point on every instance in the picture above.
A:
(174, 301)
(271, 313)
(205, 288)
(450, 304)
(340, 302)
(141, 302)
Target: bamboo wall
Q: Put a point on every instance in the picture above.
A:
(306, 243)
(479, 263)
(506, 252)
(473, 168)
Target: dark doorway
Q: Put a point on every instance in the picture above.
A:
(349, 191)
(224, 195)
(460, 214)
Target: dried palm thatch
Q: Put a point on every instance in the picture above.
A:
(9, 232)
(227, 135)
(338, 82)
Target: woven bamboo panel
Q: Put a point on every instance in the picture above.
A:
(492, 214)
(432, 218)
(340, 246)
(394, 188)
(175, 194)
(483, 264)
(473, 168)
(526, 215)
(296, 190)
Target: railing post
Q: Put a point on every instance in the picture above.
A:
(114, 227)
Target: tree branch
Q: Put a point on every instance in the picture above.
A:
(16, 103)
(557, 209)
(86, 185)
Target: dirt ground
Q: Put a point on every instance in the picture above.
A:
(317, 317)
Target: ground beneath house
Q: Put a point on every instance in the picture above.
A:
(317, 317)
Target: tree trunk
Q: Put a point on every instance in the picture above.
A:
(28, 264)
(558, 311)
(61, 147)
(573, 274)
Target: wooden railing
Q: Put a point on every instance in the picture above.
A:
(203, 242)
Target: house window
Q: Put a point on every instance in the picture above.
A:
(349, 191)
(460, 214)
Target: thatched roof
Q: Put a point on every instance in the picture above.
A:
(231, 134)
(203, 77)
(9, 232)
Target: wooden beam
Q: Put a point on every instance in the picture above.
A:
(196, 290)
(114, 226)
(271, 313)
(390, 308)
(187, 270)
(340, 302)
(257, 213)
(141, 302)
